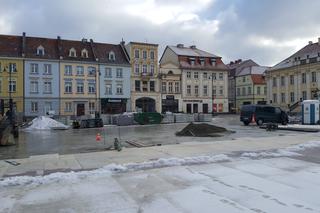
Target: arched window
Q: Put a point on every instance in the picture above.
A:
(40, 50)
(170, 72)
(84, 53)
(112, 56)
(72, 52)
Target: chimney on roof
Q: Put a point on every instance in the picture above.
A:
(180, 45)
(93, 50)
(84, 40)
(310, 42)
(59, 47)
(193, 46)
(231, 62)
(122, 42)
(24, 43)
(319, 40)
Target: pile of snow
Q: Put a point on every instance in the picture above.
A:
(45, 123)
(110, 169)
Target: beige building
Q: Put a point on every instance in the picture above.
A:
(145, 84)
(204, 79)
(295, 78)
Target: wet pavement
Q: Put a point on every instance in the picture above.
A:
(84, 140)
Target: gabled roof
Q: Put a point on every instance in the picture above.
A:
(103, 50)
(258, 79)
(236, 68)
(312, 50)
(49, 45)
(192, 52)
(10, 46)
(78, 46)
(252, 70)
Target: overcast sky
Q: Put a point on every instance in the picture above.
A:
(266, 31)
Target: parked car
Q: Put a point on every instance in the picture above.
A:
(262, 114)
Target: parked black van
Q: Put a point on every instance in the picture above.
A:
(262, 114)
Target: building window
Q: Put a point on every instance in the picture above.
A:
(243, 79)
(249, 90)
(136, 69)
(40, 51)
(188, 90)
(265, 90)
(68, 87)
(145, 86)
(292, 97)
(109, 89)
(238, 91)
(72, 52)
(205, 75)
(151, 69)
(91, 87)
(34, 87)
(80, 86)
(213, 61)
(144, 54)
(274, 82)
(221, 90)
(214, 90)
(119, 73)
(112, 56)
(136, 53)
(152, 54)
(202, 61)
(304, 95)
(84, 53)
(304, 80)
(283, 98)
(275, 98)
(152, 86)
(192, 61)
(91, 71)
(137, 85)
(68, 107)
(188, 74)
(12, 86)
(108, 72)
(47, 87)
(177, 87)
(144, 69)
(92, 107)
(119, 89)
(221, 76)
(258, 91)
(47, 69)
(164, 87)
(12, 67)
(80, 70)
(196, 75)
(243, 91)
(282, 80)
(291, 79)
(314, 77)
(196, 90)
(34, 106)
(205, 90)
(34, 68)
(170, 87)
(47, 106)
(67, 70)
(214, 76)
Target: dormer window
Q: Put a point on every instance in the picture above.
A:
(202, 61)
(192, 60)
(72, 52)
(84, 53)
(40, 51)
(213, 61)
(112, 56)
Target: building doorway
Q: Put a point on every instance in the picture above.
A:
(205, 108)
(146, 104)
(80, 109)
(189, 108)
(195, 108)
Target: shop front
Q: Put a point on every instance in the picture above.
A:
(113, 105)
(170, 104)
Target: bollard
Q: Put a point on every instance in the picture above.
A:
(117, 145)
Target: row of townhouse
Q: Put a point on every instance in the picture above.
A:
(67, 77)
(296, 78)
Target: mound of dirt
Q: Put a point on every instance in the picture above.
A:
(202, 130)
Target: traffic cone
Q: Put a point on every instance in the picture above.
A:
(98, 137)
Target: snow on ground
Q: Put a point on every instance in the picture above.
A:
(265, 185)
(45, 123)
(300, 126)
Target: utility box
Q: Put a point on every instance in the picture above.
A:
(310, 112)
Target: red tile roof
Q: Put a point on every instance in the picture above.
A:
(258, 79)
(103, 50)
(10, 46)
(49, 45)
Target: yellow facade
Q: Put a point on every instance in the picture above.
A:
(16, 66)
(292, 84)
(249, 93)
(73, 101)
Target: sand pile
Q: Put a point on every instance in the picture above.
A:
(45, 123)
(202, 130)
